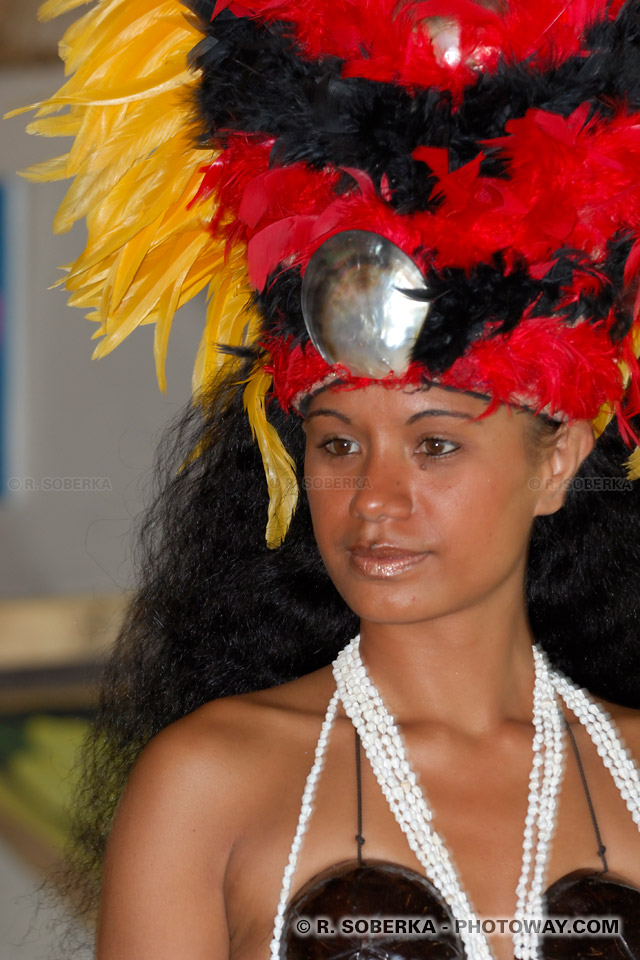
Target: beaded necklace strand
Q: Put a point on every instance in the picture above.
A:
(385, 751)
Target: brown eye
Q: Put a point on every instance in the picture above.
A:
(437, 447)
(339, 446)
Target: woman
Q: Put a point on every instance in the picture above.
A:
(430, 552)
(422, 248)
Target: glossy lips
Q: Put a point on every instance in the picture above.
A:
(383, 560)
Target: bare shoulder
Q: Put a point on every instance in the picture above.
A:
(212, 732)
(251, 720)
(188, 802)
(213, 750)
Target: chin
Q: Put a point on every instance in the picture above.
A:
(389, 606)
(390, 603)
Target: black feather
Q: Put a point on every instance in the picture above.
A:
(256, 80)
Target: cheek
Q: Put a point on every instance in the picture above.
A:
(488, 515)
(329, 507)
(329, 493)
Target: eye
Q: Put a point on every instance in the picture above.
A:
(339, 446)
(437, 446)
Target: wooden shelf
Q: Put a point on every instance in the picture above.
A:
(65, 687)
(42, 633)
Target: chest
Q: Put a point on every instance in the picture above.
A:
(479, 805)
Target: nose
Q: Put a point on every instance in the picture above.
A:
(382, 491)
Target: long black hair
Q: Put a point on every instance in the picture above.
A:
(217, 613)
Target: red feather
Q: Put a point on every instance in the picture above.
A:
(392, 42)
(542, 364)
(573, 183)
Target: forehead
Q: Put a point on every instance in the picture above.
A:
(377, 400)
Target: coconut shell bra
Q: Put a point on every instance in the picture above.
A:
(363, 889)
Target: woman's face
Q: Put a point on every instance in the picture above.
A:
(417, 510)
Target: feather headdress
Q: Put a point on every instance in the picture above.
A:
(495, 143)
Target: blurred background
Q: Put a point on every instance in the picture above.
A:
(77, 439)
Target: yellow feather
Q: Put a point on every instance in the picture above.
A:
(96, 125)
(42, 110)
(208, 358)
(85, 298)
(86, 290)
(166, 311)
(55, 169)
(633, 465)
(158, 85)
(126, 242)
(148, 293)
(602, 420)
(87, 42)
(139, 132)
(279, 467)
(55, 8)
(65, 126)
(229, 320)
(128, 262)
(105, 16)
(199, 448)
(127, 101)
(160, 186)
(120, 194)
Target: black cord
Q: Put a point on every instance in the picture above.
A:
(359, 837)
(601, 846)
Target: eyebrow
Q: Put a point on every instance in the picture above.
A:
(431, 412)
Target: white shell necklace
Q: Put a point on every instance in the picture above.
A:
(384, 747)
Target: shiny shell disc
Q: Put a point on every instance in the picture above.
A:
(358, 306)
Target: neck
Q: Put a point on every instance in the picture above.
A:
(471, 670)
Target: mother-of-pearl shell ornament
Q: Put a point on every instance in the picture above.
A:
(364, 302)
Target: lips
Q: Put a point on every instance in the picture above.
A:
(384, 560)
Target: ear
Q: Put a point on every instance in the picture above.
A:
(573, 443)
